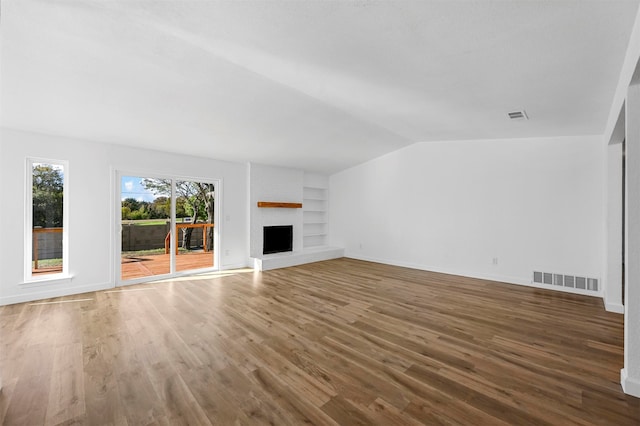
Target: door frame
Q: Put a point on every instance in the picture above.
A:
(118, 173)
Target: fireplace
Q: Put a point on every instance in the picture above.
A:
(277, 239)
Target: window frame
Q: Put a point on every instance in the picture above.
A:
(28, 224)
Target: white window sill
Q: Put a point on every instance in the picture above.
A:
(51, 279)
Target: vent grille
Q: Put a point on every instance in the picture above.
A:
(537, 277)
(518, 115)
(570, 281)
(558, 279)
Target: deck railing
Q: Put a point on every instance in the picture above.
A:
(204, 226)
(36, 249)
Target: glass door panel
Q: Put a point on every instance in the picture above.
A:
(195, 228)
(145, 227)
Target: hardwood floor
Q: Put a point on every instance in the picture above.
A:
(337, 342)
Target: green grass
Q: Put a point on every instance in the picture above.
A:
(148, 222)
(47, 263)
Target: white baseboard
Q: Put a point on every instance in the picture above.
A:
(235, 266)
(629, 386)
(491, 277)
(472, 274)
(48, 294)
(617, 308)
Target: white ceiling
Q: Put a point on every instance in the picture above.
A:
(317, 85)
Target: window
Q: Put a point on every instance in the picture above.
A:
(46, 245)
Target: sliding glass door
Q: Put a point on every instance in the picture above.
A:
(194, 237)
(145, 224)
(167, 226)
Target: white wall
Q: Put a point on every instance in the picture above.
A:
(1, 222)
(613, 266)
(626, 74)
(614, 132)
(268, 183)
(534, 204)
(92, 213)
(630, 374)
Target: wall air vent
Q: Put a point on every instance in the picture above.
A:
(537, 277)
(558, 279)
(518, 115)
(561, 280)
(569, 281)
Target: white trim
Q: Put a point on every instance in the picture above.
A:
(49, 279)
(614, 307)
(294, 258)
(625, 77)
(173, 230)
(629, 386)
(235, 266)
(470, 274)
(41, 295)
(219, 223)
(28, 222)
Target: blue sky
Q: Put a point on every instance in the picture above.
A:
(131, 187)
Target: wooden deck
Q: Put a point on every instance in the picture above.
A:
(145, 266)
(336, 342)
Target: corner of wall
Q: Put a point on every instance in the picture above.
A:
(629, 386)
(615, 308)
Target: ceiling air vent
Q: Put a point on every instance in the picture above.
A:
(518, 115)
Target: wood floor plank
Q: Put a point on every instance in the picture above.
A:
(345, 413)
(102, 399)
(27, 401)
(384, 413)
(335, 342)
(208, 391)
(295, 404)
(66, 392)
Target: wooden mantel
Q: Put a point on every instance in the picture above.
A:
(279, 205)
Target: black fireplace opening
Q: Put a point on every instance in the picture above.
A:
(277, 239)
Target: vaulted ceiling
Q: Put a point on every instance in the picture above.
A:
(317, 85)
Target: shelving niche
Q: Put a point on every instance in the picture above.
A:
(314, 216)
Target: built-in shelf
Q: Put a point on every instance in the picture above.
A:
(279, 205)
(314, 216)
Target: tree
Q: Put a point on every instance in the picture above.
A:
(196, 197)
(47, 195)
(131, 204)
(160, 208)
(133, 209)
